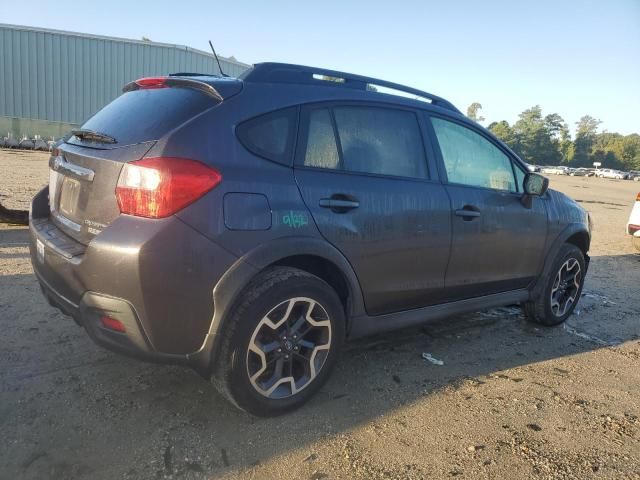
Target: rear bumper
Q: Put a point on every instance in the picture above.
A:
(155, 276)
(92, 307)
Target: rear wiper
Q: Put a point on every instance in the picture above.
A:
(90, 135)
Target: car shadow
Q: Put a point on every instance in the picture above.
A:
(69, 401)
(13, 236)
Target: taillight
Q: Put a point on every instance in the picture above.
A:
(112, 324)
(151, 82)
(638, 197)
(161, 186)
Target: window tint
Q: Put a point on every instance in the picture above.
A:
(470, 159)
(322, 150)
(270, 135)
(379, 140)
(143, 115)
(519, 177)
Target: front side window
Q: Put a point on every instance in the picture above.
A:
(380, 140)
(520, 174)
(470, 159)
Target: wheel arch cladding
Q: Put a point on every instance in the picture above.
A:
(313, 255)
(574, 234)
(581, 240)
(323, 269)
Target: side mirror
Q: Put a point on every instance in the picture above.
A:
(535, 185)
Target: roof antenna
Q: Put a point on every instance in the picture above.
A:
(217, 59)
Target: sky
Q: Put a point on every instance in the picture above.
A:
(571, 57)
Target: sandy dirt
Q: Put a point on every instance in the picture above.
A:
(512, 400)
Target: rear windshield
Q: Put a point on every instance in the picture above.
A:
(143, 115)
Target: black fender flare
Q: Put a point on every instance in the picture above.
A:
(236, 279)
(552, 252)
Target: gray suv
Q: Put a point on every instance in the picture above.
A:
(246, 227)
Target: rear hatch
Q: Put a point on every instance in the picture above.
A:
(84, 170)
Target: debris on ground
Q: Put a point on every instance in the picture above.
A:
(429, 357)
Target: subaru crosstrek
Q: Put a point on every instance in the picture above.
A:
(247, 227)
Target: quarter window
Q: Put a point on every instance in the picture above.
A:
(471, 159)
(270, 135)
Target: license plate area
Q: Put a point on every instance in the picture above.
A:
(54, 183)
(69, 196)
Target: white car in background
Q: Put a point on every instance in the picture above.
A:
(633, 225)
(611, 173)
(556, 170)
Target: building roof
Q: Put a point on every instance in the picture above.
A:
(120, 39)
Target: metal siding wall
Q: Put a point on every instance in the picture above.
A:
(66, 78)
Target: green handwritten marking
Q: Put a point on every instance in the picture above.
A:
(295, 220)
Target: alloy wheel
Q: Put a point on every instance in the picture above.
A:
(565, 287)
(289, 347)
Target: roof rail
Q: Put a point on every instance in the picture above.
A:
(271, 72)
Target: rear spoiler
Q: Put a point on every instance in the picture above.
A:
(149, 83)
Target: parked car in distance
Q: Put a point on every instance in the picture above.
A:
(634, 175)
(611, 173)
(533, 168)
(246, 227)
(633, 225)
(555, 170)
(579, 172)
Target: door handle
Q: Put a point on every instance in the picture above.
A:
(338, 205)
(468, 212)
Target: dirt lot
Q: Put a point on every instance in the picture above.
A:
(511, 400)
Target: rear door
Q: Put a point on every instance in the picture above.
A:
(365, 176)
(84, 170)
(497, 242)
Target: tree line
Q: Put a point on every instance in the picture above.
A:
(546, 140)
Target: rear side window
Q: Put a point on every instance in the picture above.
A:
(380, 140)
(369, 139)
(271, 135)
(322, 150)
(143, 115)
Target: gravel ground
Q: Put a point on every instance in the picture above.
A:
(511, 401)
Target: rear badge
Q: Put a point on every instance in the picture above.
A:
(94, 228)
(40, 251)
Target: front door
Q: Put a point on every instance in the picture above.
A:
(497, 242)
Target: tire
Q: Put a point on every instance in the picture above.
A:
(269, 371)
(546, 311)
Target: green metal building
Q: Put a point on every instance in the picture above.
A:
(51, 80)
